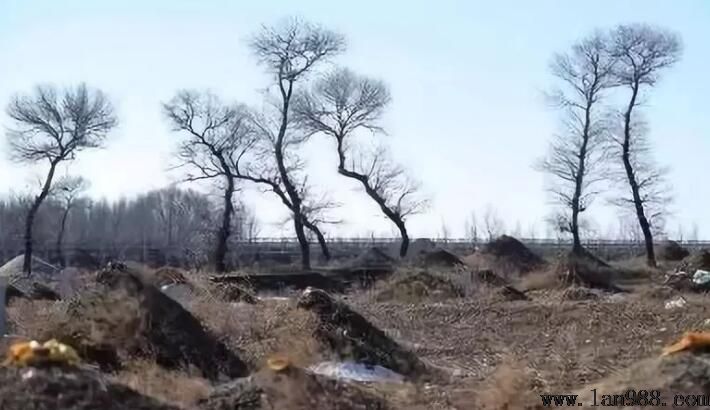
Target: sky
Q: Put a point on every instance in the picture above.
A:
(468, 116)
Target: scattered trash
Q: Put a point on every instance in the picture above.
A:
(701, 277)
(33, 353)
(356, 372)
(677, 303)
(689, 341)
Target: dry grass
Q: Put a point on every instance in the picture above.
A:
(172, 387)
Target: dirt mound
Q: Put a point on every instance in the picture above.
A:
(168, 275)
(696, 260)
(292, 388)
(352, 337)
(680, 374)
(421, 285)
(373, 258)
(232, 292)
(579, 293)
(504, 255)
(30, 290)
(586, 270)
(55, 389)
(440, 258)
(672, 251)
(132, 318)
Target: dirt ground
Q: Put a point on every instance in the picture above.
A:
(492, 352)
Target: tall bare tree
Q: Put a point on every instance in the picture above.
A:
(67, 192)
(577, 154)
(341, 104)
(642, 52)
(217, 134)
(53, 126)
(290, 52)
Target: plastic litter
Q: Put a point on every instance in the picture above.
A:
(701, 277)
(357, 372)
(677, 303)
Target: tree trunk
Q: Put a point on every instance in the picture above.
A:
(404, 246)
(32, 213)
(60, 237)
(303, 242)
(321, 239)
(293, 194)
(579, 180)
(225, 229)
(631, 176)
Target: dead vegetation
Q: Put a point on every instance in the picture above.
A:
(465, 338)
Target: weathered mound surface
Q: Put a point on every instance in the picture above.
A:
(696, 260)
(40, 284)
(373, 258)
(586, 270)
(418, 286)
(168, 275)
(55, 389)
(350, 336)
(232, 292)
(506, 254)
(294, 389)
(672, 251)
(682, 374)
(441, 258)
(132, 317)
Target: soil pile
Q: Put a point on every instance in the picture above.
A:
(349, 336)
(232, 292)
(696, 260)
(672, 251)
(441, 258)
(373, 258)
(506, 254)
(57, 389)
(131, 317)
(292, 388)
(415, 287)
(169, 275)
(586, 270)
(679, 374)
(40, 284)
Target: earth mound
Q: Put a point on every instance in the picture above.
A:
(373, 258)
(672, 251)
(696, 260)
(440, 258)
(586, 270)
(291, 388)
(679, 374)
(506, 254)
(131, 317)
(62, 389)
(418, 286)
(350, 336)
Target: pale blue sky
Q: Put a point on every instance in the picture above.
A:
(468, 118)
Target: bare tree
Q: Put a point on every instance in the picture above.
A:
(217, 134)
(472, 229)
(290, 52)
(341, 104)
(577, 154)
(67, 191)
(54, 126)
(641, 53)
(493, 224)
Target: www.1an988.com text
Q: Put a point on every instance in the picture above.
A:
(639, 398)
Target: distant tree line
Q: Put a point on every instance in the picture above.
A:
(180, 224)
